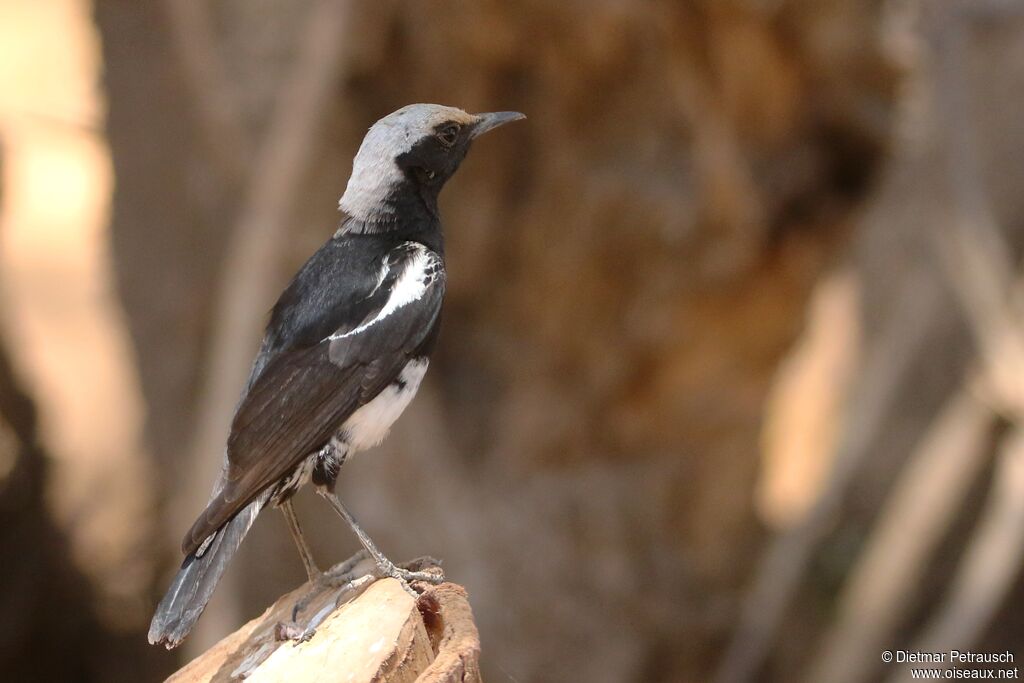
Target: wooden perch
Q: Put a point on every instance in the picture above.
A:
(371, 630)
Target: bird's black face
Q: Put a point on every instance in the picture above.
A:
(435, 157)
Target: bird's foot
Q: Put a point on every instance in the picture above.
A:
(425, 569)
(349, 590)
(348, 576)
(345, 572)
(335, 577)
(351, 578)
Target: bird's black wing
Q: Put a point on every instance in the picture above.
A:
(304, 392)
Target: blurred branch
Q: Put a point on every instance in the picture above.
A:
(786, 560)
(924, 502)
(194, 42)
(991, 562)
(249, 284)
(732, 197)
(974, 253)
(976, 260)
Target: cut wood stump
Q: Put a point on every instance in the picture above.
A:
(369, 630)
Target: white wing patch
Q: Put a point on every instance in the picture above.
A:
(419, 273)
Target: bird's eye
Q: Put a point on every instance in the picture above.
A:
(448, 135)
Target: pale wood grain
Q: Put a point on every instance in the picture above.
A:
(378, 633)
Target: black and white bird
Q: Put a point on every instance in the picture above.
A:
(345, 350)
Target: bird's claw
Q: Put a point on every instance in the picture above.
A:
(345, 569)
(338, 576)
(349, 588)
(434, 575)
(344, 578)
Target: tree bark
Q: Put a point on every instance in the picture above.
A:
(366, 631)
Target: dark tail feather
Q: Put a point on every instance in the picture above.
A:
(192, 587)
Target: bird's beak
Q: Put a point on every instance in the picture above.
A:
(492, 120)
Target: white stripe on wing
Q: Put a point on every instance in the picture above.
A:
(419, 273)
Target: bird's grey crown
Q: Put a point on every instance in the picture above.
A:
(374, 170)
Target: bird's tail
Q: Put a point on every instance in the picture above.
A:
(192, 587)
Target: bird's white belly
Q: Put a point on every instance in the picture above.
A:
(368, 426)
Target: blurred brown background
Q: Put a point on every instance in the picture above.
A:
(730, 379)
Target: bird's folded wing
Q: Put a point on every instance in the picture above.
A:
(304, 395)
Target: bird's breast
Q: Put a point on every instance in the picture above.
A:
(368, 426)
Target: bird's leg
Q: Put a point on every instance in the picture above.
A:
(385, 566)
(327, 463)
(312, 571)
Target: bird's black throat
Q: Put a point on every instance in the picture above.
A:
(407, 212)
